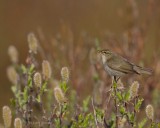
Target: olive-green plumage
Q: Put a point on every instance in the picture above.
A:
(118, 66)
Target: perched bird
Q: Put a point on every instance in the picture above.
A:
(117, 66)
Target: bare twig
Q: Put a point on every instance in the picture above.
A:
(115, 101)
(95, 116)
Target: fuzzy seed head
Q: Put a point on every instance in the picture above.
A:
(65, 74)
(12, 75)
(17, 123)
(33, 43)
(37, 79)
(150, 112)
(13, 54)
(134, 89)
(46, 70)
(7, 116)
(59, 95)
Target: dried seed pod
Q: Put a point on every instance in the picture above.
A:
(12, 75)
(59, 95)
(37, 79)
(13, 54)
(17, 123)
(33, 43)
(46, 70)
(7, 116)
(134, 89)
(150, 112)
(65, 74)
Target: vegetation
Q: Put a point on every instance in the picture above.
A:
(40, 100)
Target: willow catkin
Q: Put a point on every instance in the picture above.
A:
(13, 54)
(33, 43)
(17, 123)
(7, 116)
(65, 74)
(150, 112)
(37, 79)
(134, 89)
(59, 95)
(12, 75)
(46, 70)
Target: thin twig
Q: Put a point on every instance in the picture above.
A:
(95, 116)
(115, 102)
(60, 116)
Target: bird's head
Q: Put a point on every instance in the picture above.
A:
(106, 54)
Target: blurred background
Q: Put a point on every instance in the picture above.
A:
(67, 31)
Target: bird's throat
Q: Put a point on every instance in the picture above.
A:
(104, 59)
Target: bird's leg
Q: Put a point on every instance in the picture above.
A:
(116, 78)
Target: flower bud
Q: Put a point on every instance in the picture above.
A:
(134, 89)
(7, 116)
(150, 112)
(46, 70)
(59, 95)
(13, 54)
(37, 79)
(33, 43)
(12, 75)
(65, 74)
(17, 123)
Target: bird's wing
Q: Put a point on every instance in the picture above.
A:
(120, 64)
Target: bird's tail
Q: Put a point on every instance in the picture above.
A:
(141, 70)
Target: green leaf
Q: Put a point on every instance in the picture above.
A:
(31, 69)
(131, 117)
(25, 94)
(119, 96)
(86, 104)
(43, 88)
(14, 88)
(122, 110)
(114, 84)
(64, 86)
(24, 69)
(138, 104)
(127, 96)
(99, 115)
(13, 102)
(30, 81)
(142, 123)
(38, 99)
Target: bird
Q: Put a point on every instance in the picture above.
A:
(117, 66)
